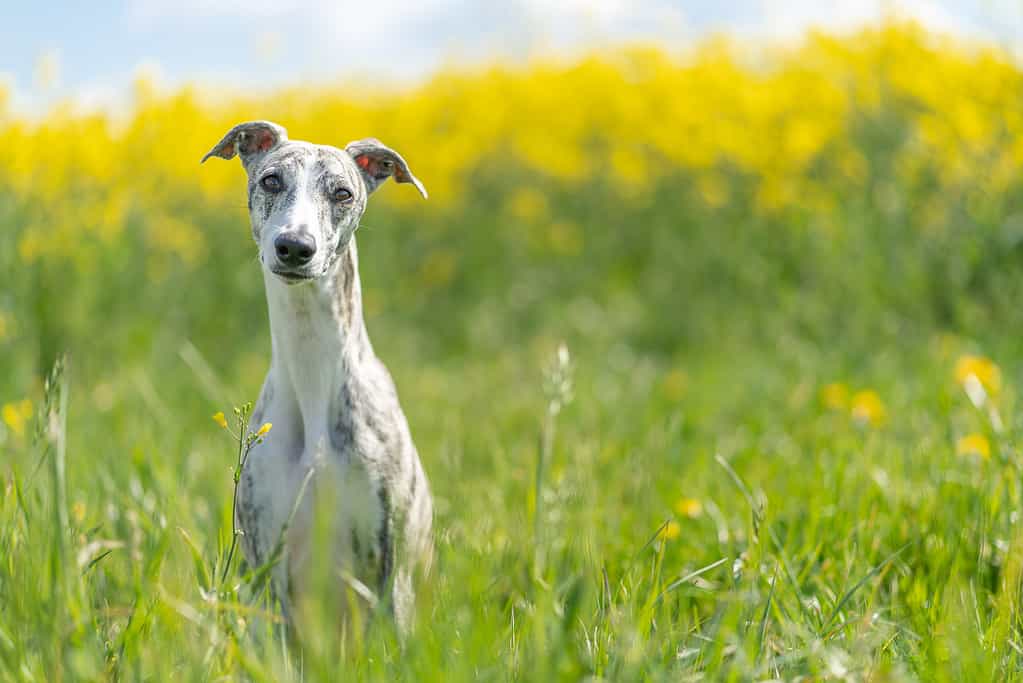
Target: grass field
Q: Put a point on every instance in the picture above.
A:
(782, 440)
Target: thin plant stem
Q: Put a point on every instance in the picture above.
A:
(244, 446)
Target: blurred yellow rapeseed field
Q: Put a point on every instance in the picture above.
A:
(783, 118)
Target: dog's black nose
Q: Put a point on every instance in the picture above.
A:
(294, 249)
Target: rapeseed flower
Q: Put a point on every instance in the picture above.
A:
(974, 444)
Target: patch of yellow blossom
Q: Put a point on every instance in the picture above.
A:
(16, 415)
(867, 408)
(671, 531)
(975, 445)
(982, 370)
(631, 116)
(689, 507)
(264, 430)
(219, 418)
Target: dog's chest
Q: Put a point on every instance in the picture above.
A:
(299, 480)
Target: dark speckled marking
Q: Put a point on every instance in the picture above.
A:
(295, 454)
(384, 539)
(248, 514)
(346, 304)
(356, 546)
(285, 163)
(265, 397)
(377, 424)
(342, 436)
(269, 201)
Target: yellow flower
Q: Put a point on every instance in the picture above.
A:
(671, 531)
(835, 396)
(982, 370)
(974, 444)
(12, 418)
(16, 414)
(219, 418)
(867, 408)
(689, 507)
(265, 429)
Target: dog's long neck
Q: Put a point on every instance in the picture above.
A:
(318, 337)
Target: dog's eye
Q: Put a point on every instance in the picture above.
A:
(341, 195)
(272, 183)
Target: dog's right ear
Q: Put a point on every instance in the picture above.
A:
(250, 141)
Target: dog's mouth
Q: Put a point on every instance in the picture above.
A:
(291, 277)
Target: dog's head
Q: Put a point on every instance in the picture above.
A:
(306, 200)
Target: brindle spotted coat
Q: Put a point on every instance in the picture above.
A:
(333, 405)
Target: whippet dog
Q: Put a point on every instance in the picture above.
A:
(337, 424)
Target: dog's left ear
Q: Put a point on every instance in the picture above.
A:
(378, 162)
(250, 141)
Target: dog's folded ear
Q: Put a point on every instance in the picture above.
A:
(250, 141)
(378, 162)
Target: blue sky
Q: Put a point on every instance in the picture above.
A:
(90, 52)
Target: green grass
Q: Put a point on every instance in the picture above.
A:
(822, 548)
(700, 340)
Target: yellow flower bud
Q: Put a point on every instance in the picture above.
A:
(219, 418)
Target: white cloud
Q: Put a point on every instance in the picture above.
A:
(582, 20)
(401, 39)
(148, 12)
(789, 18)
(398, 37)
